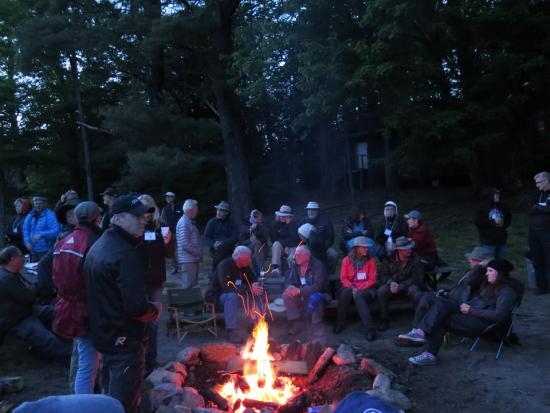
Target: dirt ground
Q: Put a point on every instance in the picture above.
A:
(463, 382)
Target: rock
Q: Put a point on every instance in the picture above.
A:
(12, 384)
(174, 409)
(381, 382)
(162, 394)
(159, 376)
(373, 368)
(207, 410)
(219, 353)
(189, 356)
(191, 398)
(176, 367)
(393, 397)
(344, 355)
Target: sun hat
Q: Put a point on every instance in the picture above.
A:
(278, 305)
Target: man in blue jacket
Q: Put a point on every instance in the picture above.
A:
(40, 229)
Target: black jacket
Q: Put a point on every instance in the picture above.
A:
(170, 215)
(489, 232)
(229, 278)
(154, 254)
(397, 226)
(324, 228)
(16, 300)
(286, 234)
(539, 214)
(316, 278)
(14, 232)
(226, 231)
(260, 231)
(116, 293)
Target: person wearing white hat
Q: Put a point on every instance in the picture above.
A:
(324, 232)
(284, 238)
(221, 234)
(394, 226)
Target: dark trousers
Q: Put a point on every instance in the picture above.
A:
(539, 244)
(362, 300)
(123, 374)
(35, 330)
(385, 295)
(222, 252)
(437, 315)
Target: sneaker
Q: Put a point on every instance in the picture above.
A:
(424, 359)
(415, 335)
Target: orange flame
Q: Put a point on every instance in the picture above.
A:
(259, 373)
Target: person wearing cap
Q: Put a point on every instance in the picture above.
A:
(71, 316)
(357, 224)
(14, 230)
(40, 229)
(304, 295)
(358, 276)
(170, 215)
(116, 293)
(221, 234)
(189, 246)
(20, 315)
(255, 235)
(109, 196)
(284, 238)
(493, 304)
(492, 220)
(424, 241)
(401, 275)
(235, 289)
(539, 233)
(392, 228)
(325, 232)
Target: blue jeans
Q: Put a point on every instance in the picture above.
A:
(498, 251)
(301, 306)
(81, 403)
(33, 330)
(233, 311)
(88, 365)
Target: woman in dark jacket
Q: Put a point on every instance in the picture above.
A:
(154, 250)
(355, 225)
(14, 231)
(494, 303)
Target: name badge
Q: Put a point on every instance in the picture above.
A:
(387, 232)
(361, 276)
(238, 282)
(150, 236)
(303, 280)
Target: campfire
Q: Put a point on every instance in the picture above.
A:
(259, 385)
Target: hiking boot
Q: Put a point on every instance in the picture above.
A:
(424, 359)
(371, 334)
(414, 335)
(383, 324)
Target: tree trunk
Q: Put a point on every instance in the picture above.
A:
(153, 11)
(229, 109)
(83, 131)
(2, 206)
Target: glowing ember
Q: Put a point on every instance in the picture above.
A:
(260, 376)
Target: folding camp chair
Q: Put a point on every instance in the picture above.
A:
(501, 330)
(189, 312)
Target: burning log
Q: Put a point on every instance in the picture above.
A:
(297, 404)
(290, 367)
(260, 405)
(211, 395)
(320, 365)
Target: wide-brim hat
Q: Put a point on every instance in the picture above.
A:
(284, 211)
(404, 243)
(362, 242)
(278, 305)
(169, 194)
(223, 205)
(313, 205)
(479, 253)
(61, 210)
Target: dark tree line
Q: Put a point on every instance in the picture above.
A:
(257, 101)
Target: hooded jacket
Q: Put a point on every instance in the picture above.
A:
(395, 226)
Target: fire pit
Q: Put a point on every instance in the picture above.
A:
(264, 377)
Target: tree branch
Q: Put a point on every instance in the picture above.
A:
(94, 128)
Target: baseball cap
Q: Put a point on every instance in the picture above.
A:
(131, 205)
(87, 211)
(414, 215)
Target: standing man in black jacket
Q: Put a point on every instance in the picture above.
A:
(117, 300)
(539, 233)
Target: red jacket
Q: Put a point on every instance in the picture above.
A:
(424, 240)
(71, 309)
(351, 277)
